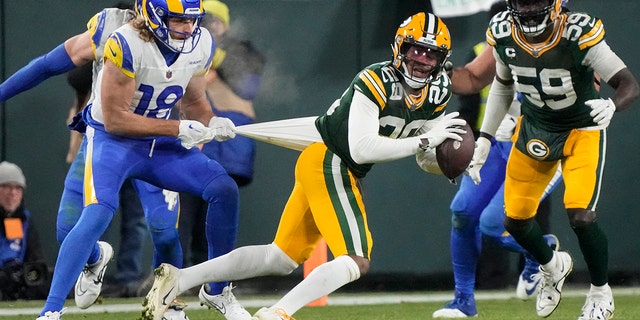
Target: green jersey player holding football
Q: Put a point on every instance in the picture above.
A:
(391, 110)
(550, 57)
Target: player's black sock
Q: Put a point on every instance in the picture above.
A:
(594, 246)
(529, 235)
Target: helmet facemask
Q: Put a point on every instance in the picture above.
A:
(532, 18)
(157, 18)
(409, 66)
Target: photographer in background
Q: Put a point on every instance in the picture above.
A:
(23, 272)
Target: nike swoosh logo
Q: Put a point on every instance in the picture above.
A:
(113, 53)
(220, 308)
(532, 289)
(80, 292)
(164, 299)
(194, 129)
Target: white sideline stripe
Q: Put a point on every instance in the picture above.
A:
(334, 300)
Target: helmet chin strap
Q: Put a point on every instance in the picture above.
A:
(413, 82)
(185, 45)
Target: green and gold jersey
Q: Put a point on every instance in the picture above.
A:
(400, 115)
(551, 76)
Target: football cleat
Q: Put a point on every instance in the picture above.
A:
(176, 311)
(527, 286)
(162, 293)
(272, 314)
(551, 282)
(89, 283)
(52, 315)
(599, 306)
(462, 306)
(225, 302)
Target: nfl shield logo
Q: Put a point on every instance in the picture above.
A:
(169, 74)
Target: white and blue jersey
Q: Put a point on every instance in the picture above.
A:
(159, 86)
(162, 161)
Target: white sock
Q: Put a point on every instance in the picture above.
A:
(552, 264)
(323, 280)
(241, 263)
(606, 289)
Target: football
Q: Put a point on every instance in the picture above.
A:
(454, 156)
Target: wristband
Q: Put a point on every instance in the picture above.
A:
(485, 135)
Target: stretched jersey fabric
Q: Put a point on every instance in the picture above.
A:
(400, 114)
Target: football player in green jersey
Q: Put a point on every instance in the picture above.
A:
(550, 57)
(391, 110)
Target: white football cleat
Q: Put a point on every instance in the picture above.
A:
(225, 302)
(527, 281)
(176, 311)
(551, 282)
(162, 293)
(599, 306)
(89, 283)
(52, 315)
(272, 314)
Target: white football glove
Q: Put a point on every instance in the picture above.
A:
(223, 128)
(192, 133)
(428, 162)
(480, 154)
(601, 110)
(448, 127)
(171, 198)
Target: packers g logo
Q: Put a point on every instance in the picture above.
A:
(537, 149)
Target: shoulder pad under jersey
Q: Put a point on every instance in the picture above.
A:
(104, 23)
(377, 82)
(500, 26)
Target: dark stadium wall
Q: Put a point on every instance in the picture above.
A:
(314, 49)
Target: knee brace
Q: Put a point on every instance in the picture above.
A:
(581, 218)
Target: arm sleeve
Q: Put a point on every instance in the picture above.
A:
(55, 62)
(498, 101)
(603, 61)
(365, 144)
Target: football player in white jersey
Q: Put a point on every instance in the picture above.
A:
(134, 139)
(161, 216)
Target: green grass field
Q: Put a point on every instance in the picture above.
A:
(493, 305)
